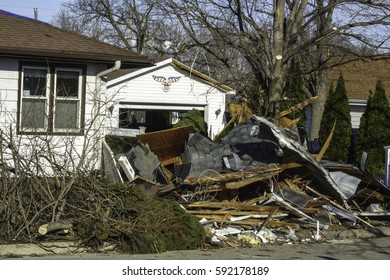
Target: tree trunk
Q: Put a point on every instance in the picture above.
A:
(324, 21)
(318, 107)
(276, 88)
(54, 226)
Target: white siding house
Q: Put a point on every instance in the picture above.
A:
(71, 129)
(153, 99)
(52, 93)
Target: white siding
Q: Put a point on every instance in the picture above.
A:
(9, 76)
(66, 149)
(357, 110)
(188, 92)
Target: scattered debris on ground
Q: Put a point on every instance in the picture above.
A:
(257, 184)
(254, 183)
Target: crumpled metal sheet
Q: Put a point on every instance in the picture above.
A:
(258, 142)
(296, 151)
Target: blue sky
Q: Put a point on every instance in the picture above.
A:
(46, 8)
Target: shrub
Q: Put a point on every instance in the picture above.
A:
(374, 131)
(337, 109)
(194, 118)
(120, 144)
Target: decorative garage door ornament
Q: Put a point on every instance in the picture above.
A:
(166, 82)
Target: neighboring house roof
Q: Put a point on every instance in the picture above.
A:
(126, 74)
(360, 77)
(22, 36)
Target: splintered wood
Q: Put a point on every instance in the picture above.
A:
(286, 209)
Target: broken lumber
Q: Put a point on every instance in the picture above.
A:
(230, 212)
(338, 206)
(288, 123)
(228, 205)
(326, 145)
(238, 175)
(298, 106)
(247, 181)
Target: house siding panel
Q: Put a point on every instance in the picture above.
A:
(189, 91)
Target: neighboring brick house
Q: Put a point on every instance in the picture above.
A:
(52, 90)
(360, 77)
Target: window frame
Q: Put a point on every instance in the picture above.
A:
(78, 99)
(33, 97)
(49, 128)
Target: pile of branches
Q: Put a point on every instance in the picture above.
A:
(35, 209)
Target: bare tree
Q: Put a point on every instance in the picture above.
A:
(249, 43)
(125, 23)
(39, 171)
(81, 24)
(269, 34)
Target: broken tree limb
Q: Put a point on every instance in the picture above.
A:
(54, 226)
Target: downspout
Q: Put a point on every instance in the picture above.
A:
(100, 96)
(116, 67)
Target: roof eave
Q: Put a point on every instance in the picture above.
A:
(79, 56)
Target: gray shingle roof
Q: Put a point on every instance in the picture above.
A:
(28, 37)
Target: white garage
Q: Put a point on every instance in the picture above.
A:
(155, 98)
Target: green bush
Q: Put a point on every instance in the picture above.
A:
(337, 109)
(194, 118)
(120, 144)
(294, 93)
(123, 215)
(374, 131)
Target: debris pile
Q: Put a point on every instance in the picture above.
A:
(257, 184)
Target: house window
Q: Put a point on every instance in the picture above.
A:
(34, 98)
(51, 99)
(67, 99)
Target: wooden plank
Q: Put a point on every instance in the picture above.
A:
(298, 106)
(210, 189)
(255, 200)
(265, 222)
(237, 206)
(326, 144)
(167, 144)
(239, 175)
(230, 212)
(245, 182)
(288, 123)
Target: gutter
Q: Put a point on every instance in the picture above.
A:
(116, 67)
(100, 96)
